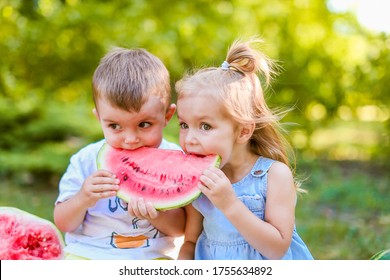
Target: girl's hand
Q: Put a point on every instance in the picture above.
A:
(142, 209)
(217, 187)
(101, 184)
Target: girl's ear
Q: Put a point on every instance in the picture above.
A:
(245, 132)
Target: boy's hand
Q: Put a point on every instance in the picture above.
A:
(101, 184)
(142, 209)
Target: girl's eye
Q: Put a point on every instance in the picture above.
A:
(205, 126)
(183, 125)
(144, 125)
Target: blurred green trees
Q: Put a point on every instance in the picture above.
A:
(334, 71)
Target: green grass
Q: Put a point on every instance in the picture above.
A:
(346, 212)
(344, 215)
(36, 200)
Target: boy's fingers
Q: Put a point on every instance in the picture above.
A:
(153, 213)
(142, 207)
(105, 173)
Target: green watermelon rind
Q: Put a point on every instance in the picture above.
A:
(159, 206)
(381, 255)
(101, 154)
(126, 197)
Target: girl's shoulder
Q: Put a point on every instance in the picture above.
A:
(280, 169)
(280, 177)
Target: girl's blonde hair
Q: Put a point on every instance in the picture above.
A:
(239, 89)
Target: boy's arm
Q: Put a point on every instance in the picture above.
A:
(69, 215)
(192, 231)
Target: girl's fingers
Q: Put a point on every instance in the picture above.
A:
(214, 174)
(206, 182)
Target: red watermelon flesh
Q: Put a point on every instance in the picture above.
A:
(167, 178)
(24, 236)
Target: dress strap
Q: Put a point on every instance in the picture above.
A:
(260, 172)
(261, 166)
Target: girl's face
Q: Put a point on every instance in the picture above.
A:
(204, 129)
(132, 130)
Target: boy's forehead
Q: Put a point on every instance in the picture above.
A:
(151, 104)
(156, 103)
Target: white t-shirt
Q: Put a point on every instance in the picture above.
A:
(108, 231)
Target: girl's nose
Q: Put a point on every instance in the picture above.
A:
(190, 138)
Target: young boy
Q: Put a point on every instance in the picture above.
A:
(131, 91)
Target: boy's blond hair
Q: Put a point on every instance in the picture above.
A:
(127, 77)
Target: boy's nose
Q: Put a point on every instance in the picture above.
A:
(131, 138)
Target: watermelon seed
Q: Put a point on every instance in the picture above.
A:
(143, 188)
(125, 159)
(125, 178)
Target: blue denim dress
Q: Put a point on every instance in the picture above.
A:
(220, 240)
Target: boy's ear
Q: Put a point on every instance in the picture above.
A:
(245, 132)
(95, 112)
(169, 113)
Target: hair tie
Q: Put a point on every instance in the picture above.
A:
(225, 65)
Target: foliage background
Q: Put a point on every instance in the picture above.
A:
(334, 75)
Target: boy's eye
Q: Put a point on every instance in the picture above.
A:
(144, 125)
(205, 126)
(114, 126)
(183, 125)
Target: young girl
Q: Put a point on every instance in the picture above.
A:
(247, 207)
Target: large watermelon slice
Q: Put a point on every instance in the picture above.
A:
(167, 178)
(24, 236)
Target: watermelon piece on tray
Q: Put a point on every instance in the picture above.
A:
(167, 178)
(24, 236)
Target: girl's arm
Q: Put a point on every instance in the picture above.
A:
(192, 231)
(271, 237)
(170, 222)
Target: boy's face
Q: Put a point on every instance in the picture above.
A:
(132, 130)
